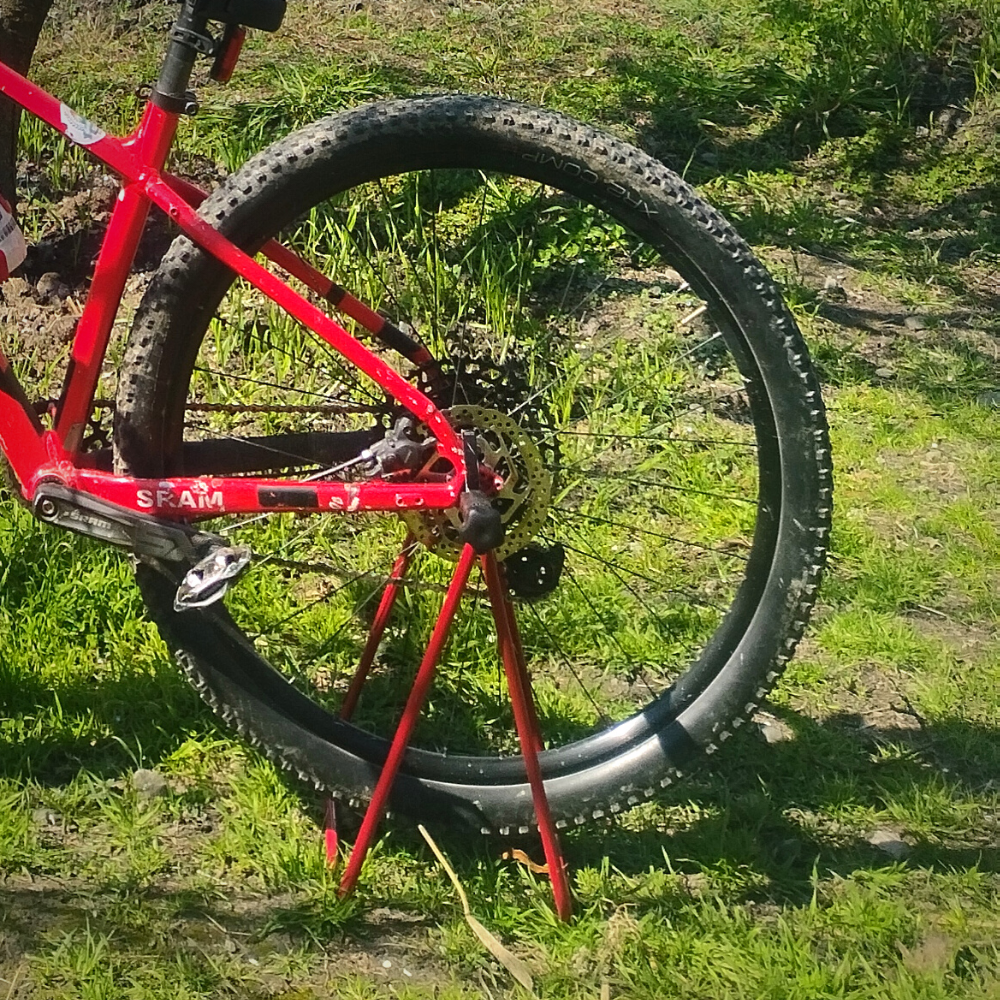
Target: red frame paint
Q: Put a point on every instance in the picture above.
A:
(37, 454)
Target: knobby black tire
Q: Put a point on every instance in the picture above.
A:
(623, 764)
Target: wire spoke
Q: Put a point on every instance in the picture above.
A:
(264, 383)
(657, 484)
(614, 570)
(608, 631)
(645, 531)
(328, 353)
(617, 567)
(655, 439)
(568, 663)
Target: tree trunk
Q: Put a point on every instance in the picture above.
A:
(20, 24)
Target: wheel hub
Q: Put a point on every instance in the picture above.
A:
(512, 473)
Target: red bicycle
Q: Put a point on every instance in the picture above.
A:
(563, 430)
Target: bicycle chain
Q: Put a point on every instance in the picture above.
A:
(327, 409)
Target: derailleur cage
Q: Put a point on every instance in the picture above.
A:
(534, 571)
(399, 450)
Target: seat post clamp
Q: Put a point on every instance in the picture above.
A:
(205, 44)
(186, 105)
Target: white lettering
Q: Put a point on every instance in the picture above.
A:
(144, 499)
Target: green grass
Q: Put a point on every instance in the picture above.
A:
(828, 132)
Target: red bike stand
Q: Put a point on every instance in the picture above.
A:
(518, 683)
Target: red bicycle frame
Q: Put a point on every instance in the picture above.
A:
(37, 454)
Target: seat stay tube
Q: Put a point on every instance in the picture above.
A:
(191, 224)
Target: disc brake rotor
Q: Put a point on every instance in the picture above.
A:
(523, 484)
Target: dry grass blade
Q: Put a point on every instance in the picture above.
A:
(13, 982)
(521, 857)
(510, 962)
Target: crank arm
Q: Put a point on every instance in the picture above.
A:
(216, 564)
(142, 534)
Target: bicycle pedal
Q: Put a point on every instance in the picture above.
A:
(208, 580)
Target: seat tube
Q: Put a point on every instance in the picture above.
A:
(152, 141)
(121, 241)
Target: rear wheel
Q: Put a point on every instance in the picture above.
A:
(641, 402)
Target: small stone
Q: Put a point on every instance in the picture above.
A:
(890, 842)
(61, 329)
(833, 288)
(885, 373)
(773, 729)
(387, 964)
(149, 784)
(51, 287)
(45, 817)
(915, 323)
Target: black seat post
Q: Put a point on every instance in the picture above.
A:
(189, 38)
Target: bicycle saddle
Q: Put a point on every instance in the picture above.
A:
(266, 15)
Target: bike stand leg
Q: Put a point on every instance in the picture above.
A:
(528, 730)
(381, 620)
(408, 721)
(379, 624)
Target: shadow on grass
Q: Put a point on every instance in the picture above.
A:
(776, 815)
(820, 72)
(196, 936)
(149, 715)
(862, 97)
(758, 831)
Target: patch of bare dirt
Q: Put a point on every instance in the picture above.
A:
(876, 703)
(41, 303)
(846, 299)
(880, 326)
(936, 471)
(384, 946)
(967, 640)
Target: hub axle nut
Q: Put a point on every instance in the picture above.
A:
(481, 526)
